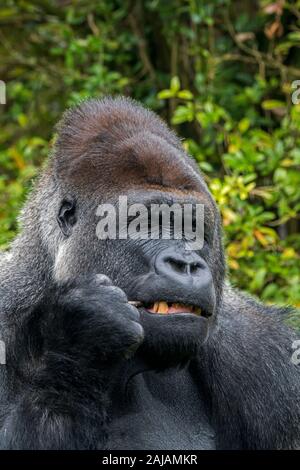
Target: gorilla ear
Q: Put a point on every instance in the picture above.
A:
(67, 216)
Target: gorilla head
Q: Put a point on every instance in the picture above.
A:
(112, 147)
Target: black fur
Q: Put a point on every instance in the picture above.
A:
(86, 370)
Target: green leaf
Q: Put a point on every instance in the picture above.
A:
(183, 114)
(175, 84)
(185, 95)
(244, 125)
(273, 104)
(165, 94)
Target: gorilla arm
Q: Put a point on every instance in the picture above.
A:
(62, 362)
(250, 381)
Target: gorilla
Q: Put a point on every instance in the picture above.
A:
(133, 343)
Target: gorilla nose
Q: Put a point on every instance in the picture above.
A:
(177, 276)
(179, 266)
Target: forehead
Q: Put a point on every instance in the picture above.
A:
(144, 159)
(105, 147)
(154, 195)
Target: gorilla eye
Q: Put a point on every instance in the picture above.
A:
(67, 216)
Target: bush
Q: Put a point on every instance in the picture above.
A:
(220, 72)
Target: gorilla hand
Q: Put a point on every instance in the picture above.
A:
(91, 319)
(72, 348)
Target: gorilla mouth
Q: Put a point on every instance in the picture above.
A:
(168, 308)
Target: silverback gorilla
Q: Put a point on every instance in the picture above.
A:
(89, 364)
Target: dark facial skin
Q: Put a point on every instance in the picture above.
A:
(157, 270)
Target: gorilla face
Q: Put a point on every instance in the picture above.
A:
(161, 277)
(116, 149)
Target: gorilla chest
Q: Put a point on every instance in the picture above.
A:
(160, 411)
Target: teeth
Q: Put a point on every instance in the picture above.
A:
(160, 307)
(197, 310)
(163, 307)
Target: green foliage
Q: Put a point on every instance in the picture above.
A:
(220, 72)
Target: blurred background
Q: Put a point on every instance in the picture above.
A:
(221, 72)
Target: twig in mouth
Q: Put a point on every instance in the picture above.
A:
(135, 303)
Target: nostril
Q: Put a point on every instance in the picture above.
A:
(177, 265)
(183, 266)
(195, 268)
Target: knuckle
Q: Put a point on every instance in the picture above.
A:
(133, 313)
(103, 280)
(138, 330)
(117, 292)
